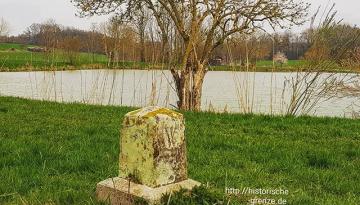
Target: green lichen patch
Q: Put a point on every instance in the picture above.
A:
(153, 111)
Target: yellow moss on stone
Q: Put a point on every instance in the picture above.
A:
(134, 112)
(164, 111)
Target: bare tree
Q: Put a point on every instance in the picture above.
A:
(118, 38)
(33, 33)
(110, 36)
(70, 46)
(49, 33)
(141, 19)
(280, 58)
(202, 26)
(91, 39)
(257, 46)
(4, 27)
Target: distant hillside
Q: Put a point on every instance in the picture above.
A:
(17, 57)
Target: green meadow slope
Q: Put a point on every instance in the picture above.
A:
(56, 153)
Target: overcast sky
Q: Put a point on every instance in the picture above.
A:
(22, 13)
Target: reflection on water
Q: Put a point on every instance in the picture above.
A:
(223, 91)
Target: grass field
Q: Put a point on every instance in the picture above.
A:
(8, 46)
(20, 58)
(55, 153)
(291, 66)
(292, 63)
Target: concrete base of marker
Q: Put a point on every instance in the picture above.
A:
(118, 191)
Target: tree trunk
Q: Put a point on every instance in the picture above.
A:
(142, 47)
(165, 53)
(189, 84)
(197, 89)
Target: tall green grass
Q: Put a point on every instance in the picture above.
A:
(56, 153)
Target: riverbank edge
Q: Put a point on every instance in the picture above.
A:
(206, 112)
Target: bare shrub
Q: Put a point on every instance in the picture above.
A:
(280, 58)
(4, 27)
(315, 82)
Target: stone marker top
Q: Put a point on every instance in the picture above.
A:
(152, 159)
(153, 111)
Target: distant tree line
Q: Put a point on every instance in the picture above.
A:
(123, 41)
(336, 41)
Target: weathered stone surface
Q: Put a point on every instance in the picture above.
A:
(152, 158)
(119, 191)
(152, 147)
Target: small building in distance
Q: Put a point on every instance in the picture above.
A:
(216, 61)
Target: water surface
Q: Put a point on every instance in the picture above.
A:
(223, 91)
